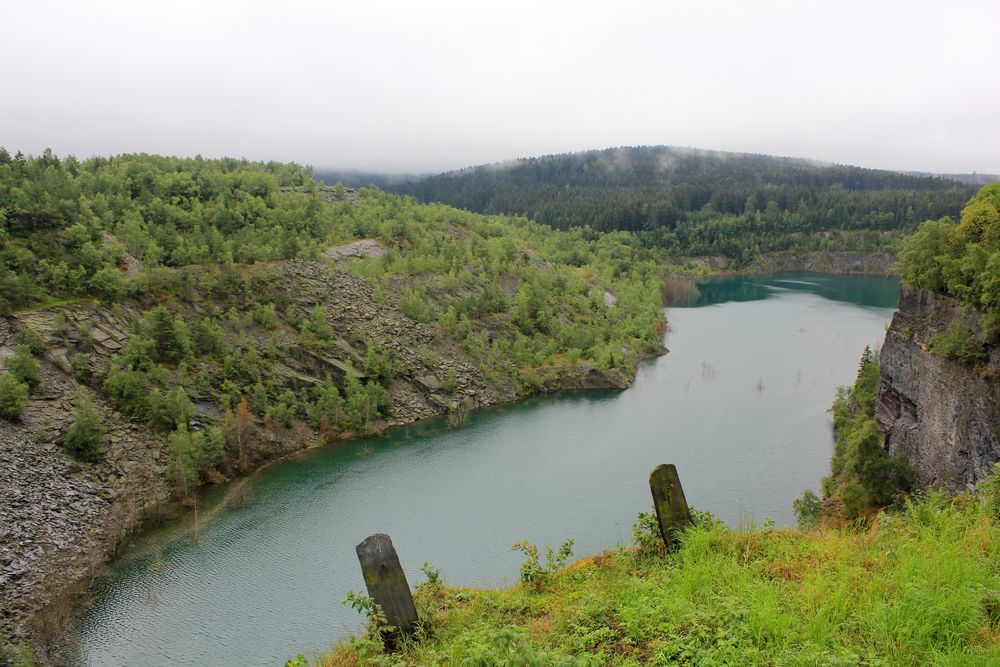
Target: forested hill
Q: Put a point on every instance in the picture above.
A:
(704, 202)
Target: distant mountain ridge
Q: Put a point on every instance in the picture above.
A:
(695, 201)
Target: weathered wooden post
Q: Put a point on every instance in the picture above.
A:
(386, 584)
(672, 511)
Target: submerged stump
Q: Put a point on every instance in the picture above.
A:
(387, 585)
(672, 513)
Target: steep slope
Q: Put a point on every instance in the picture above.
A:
(939, 392)
(942, 413)
(202, 318)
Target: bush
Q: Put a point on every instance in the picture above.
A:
(81, 366)
(170, 410)
(957, 342)
(23, 366)
(127, 390)
(193, 455)
(13, 396)
(85, 437)
(533, 572)
(806, 509)
(414, 305)
(34, 341)
(169, 334)
(862, 472)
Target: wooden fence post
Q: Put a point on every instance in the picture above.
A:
(386, 584)
(672, 511)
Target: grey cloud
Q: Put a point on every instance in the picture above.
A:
(429, 86)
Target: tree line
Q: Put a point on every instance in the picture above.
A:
(692, 202)
(187, 253)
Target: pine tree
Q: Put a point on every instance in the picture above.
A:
(85, 437)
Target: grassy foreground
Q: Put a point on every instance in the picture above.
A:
(917, 587)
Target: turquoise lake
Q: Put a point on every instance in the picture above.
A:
(739, 404)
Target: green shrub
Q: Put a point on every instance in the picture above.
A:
(450, 381)
(193, 455)
(81, 366)
(958, 342)
(23, 366)
(533, 572)
(33, 340)
(13, 396)
(85, 436)
(862, 472)
(170, 335)
(207, 338)
(170, 410)
(379, 364)
(314, 331)
(806, 509)
(646, 532)
(128, 390)
(281, 412)
(139, 354)
(414, 305)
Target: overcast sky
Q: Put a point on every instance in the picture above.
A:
(428, 86)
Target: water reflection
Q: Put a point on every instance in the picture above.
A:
(871, 291)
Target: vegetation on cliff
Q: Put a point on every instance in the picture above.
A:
(692, 202)
(215, 328)
(169, 322)
(863, 477)
(915, 587)
(961, 259)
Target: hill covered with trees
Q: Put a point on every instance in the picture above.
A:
(172, 322)
(695, 202)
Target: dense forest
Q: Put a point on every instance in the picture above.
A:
(694, 202)
(216, 274)
(962, 258)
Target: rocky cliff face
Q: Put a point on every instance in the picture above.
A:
(942, 414)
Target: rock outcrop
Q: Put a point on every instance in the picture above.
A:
(942, 414)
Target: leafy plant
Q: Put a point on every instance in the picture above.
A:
(533, 572)
(23, 366)
(31, 338)
(806, 509)
(85, 436)
(958, 342)
(646, 532)
(863, 475)
(13, 396)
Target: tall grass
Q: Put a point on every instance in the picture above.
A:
(918, 587)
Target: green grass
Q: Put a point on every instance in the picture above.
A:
(919, 587)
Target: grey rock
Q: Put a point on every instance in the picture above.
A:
(943, 415)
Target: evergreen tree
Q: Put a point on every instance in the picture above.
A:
(13, 396)
(23, 366)
(85, 437)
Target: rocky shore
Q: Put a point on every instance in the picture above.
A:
(61, 519)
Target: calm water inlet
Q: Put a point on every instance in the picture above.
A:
(739, 405)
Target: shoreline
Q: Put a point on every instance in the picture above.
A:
(113, 542)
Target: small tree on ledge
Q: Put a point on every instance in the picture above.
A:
(85, 437)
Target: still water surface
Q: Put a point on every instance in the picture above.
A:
(739, 405)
